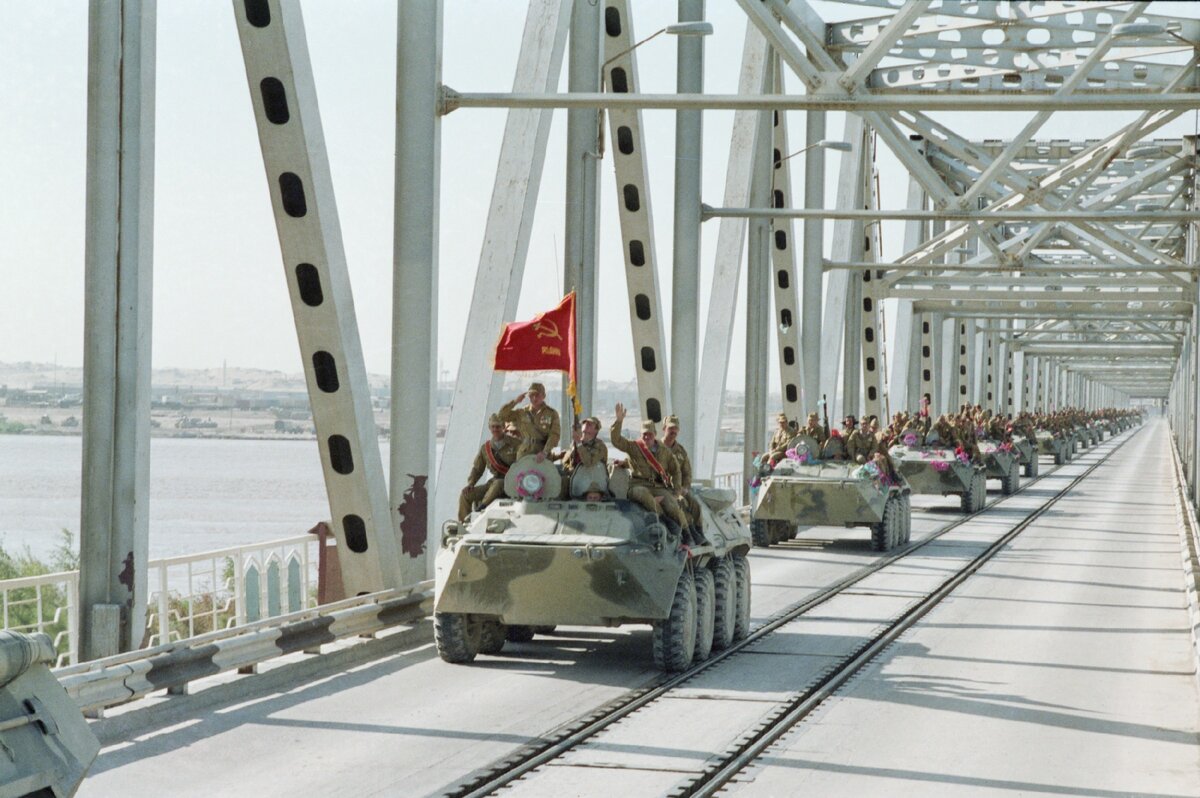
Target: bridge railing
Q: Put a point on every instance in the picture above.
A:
(190, 594)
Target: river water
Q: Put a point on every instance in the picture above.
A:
(204, 493)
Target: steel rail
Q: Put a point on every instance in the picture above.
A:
(754, 747)
(540, 751)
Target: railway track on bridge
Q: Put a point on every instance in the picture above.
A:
(749, 743)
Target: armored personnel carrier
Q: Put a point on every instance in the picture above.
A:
(802, 490)
(1055, 444)
(1027, 455)
(1001, 461)
(937, 470)
(532, 561)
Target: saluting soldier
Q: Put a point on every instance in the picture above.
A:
(684, 488)
(496, 455)
(654, 470)
(537, 422)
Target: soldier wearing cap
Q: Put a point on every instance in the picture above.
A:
(537, 422)
(655, 471)
(815, 430)
(779, 440)
(588, 449)
(496, 455)
(670, 440)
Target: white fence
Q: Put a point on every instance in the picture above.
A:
(189, 595)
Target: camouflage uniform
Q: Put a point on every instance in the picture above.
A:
(645, 484)
(505, 451)
(540, 429)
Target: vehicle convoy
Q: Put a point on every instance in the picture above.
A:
(803, 490)
(1027, 454)
(1054, 443)
(532, 561)
(941, 471)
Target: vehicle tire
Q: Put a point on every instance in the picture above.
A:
(741, 621)
(1058, 459)
(1008, 485)
(1031, 468)
(782, 531)
(519, 634)
(981, 497)
(491, 637)
(456, 637)
(967, 499)
(882, 534)
(906, 517)
(760, 533)
(724, 604)
(674, 637)
(893, 523)
(706, 599)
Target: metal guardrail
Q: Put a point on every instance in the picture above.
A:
(114, 680)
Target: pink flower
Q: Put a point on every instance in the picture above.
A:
(941, 465)
(910, 439)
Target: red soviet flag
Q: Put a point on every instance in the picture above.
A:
(546, 343)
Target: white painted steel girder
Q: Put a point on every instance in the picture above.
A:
(637, 223)
(118, 271)
(727, 267)
(283, 94)
(785, 277)
(505, 245)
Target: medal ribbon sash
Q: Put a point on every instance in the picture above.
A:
(653, 461)
(494, 461)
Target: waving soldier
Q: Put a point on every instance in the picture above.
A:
(655, 472)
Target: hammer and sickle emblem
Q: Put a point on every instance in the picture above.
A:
(546, 329)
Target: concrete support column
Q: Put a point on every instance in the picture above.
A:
(580, 239)
(118, 263)
(415, 283)
(813, 260)
(685, 285)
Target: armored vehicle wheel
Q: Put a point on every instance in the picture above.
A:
(1032, 467)
(879, 536)
(519, 634)
(1008, 485)
(724, 604)
(906, 518)
(1058, 459)
(974, 499)
(491, 637)
(892, 530)
(783, 531)
(760, 533)
(706, 599)
(675, 636)
(456, 636)
(741, 621)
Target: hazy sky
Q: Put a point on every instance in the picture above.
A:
(219, 285)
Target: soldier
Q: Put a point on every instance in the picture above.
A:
(495, 455)
(587, 450)
(779, 440)
(684, 488)
(537, 422)
(655, 472)
(861, 443)
(815, 430)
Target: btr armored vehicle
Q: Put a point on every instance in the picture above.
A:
(802, 490)
(938, 470)
(533, 561)
(1002, 461)
(1056, 444)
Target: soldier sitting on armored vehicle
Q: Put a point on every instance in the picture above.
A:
(779, 440)
(835, 448)
(587, 448)
(654, 473)
(861, 443)
(538, 422)
(814, 430)
(496, 455)
(671, 441)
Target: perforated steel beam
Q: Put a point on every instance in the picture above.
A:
(284, 98)
(637, 224)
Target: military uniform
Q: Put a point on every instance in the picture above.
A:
(504, 453)
(814, 430)
(777, 448)
(681, 456)
(585, 453)
(540, 428)
(860, 445)
(645, 483)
